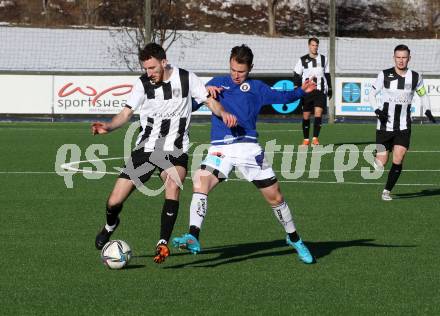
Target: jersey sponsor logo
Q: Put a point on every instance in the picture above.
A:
(225, 87)
(245, 87)
(398, 99)
(165, 115)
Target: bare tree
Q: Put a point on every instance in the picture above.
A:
(271, 5)
(433, 16)
(309, 11)
(89, 11)
(45, 6)
(165, 21)
(46, 11)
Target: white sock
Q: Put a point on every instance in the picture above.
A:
(198, 209)
(282, 213)
(162, 241)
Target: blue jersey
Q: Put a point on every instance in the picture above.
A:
(245, 102)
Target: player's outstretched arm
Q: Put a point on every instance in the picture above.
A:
(117, 121)
(229, 119)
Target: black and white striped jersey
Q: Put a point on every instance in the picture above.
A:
(397, 94)
(308, 67)
(165, 109)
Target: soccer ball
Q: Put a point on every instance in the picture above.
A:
(116, 254)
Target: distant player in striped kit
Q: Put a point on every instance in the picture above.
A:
(313, 66)
(163, 96)
(393, 133)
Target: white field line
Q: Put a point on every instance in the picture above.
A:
(71, 170)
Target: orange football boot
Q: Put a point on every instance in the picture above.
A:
(162, 252)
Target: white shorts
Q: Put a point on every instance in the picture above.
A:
(247, 158)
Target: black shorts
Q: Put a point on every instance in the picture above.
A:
(314, 99)
(152, 160)
(389, 139)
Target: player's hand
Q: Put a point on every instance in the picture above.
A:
(330, 94)
(381, 116)
(308, 86)
(100, 128)
(229, 119)
(428, 113)
(214, 91)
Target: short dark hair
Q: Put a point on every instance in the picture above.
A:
(242, 54)
(313, 39)
(152, 50)
(402, 47)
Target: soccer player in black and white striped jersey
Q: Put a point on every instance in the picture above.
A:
(313, 66)
(398, 85)
(163, 96)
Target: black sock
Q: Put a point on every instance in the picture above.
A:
(393, 175)
(317, 126)
(195, 231)
(306, 128)
(168, 218)
(293, 236)
(113, 213)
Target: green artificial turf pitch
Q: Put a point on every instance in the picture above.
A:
(374, 257)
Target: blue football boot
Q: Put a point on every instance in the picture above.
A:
(187, 241)
(303, 252)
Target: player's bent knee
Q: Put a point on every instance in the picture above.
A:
(276, 200)
(172, 194)
(172, 186)
(398, 161)
(204, 181)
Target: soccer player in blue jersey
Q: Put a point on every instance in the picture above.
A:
(238, 147)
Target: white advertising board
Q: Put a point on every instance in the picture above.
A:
(96, 94)
(91, 94)
(352, 97)
(25, 94)
(47, 94)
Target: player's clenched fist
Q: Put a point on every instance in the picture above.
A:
(308, 86)
(229, 119)
(99, 128)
